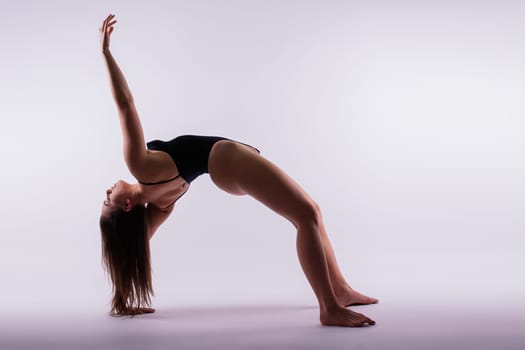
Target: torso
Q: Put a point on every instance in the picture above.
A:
(161, 168)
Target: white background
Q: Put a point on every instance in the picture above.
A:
(403, 119)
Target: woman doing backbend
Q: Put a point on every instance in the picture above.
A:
(131, 213)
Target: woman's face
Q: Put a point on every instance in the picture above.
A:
(116, 197)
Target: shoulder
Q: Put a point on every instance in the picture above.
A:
(155, 166)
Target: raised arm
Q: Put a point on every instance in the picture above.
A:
(135, 153)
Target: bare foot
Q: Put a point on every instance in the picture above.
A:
(345, 318)
(348, 297)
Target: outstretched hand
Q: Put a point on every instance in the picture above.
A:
(105, 32)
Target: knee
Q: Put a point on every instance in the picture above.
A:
(309, 214)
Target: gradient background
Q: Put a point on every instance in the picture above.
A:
(404, 120)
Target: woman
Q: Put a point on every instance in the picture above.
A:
(131, 213)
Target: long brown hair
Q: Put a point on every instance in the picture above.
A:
(126, 257)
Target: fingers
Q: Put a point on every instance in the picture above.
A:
(109, 27)
(109, 18)
(145, 310)
(108, 23)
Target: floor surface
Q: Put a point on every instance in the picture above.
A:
(271, 327)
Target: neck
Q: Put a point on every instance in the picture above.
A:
(139, 194)
(144, 193)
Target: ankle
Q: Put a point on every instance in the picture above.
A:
(329, 307)
(342, 289)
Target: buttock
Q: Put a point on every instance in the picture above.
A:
(222, 164)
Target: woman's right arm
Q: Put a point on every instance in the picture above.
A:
(156, 216)
(135, 153)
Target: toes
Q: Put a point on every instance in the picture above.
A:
(346, 318)
(365, 321)
(362, 301)
(372, 300)
(361, 320)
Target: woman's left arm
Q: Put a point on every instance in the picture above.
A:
(135, 153)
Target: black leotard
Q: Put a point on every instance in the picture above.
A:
(190, 154)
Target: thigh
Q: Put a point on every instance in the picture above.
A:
(266, 182)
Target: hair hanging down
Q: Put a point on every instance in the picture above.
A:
(126, 256)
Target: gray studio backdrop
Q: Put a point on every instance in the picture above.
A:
(403, 119)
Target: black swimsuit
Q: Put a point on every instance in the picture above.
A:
(190, 154)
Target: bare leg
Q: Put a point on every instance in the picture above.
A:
(346, 295)
(246, 172)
